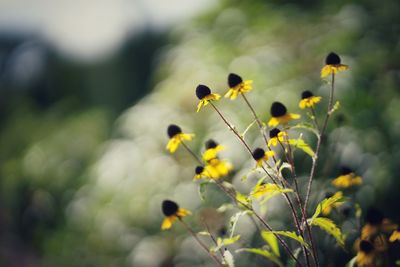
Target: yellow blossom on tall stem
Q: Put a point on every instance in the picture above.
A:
(280, 115)
(237, 86)
(176, 137)
(308, 100)
(212, 149)
(376, 223)
(204, 94)
(332, 65)
(276, 136)
(172, 212)
(366, 254)
(347, 179)
(259, 155)
(217, 168)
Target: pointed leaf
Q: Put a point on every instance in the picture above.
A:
(300, 144)
(264, 253)
(272, 242)
(326, 203)
(291, 235)
(224, 242)
(330, 227)
(307, 126)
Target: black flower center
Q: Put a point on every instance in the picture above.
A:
(306, 94)
(234, 79)
(278, 109)
(374, 216)
(202, 91)
(366, 246)
(344, 170)
(329, 194)
(199, 169)
(258, 153)
(211, 144)
(332, 59)
(274, 133)
(173, 130)
(169, 207)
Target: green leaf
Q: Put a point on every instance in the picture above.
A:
(306, 126)
(204, 233)
(327, 202)
(267, 191)
(335, 107)
(242, 199)
(300, 144)
(291, 235)
(330, 227)
(352, 262)
(272, 242)
(291, 262)
(264, 253)
(225, 242)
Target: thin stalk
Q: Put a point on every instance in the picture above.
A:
(294, 214)
(212, 237)
(321, 133)
(315, 118)
(201, 243)
(192, 153)
(231, 128)
(289, 158)
(263, 222)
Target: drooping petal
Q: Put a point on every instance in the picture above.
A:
(167, 222)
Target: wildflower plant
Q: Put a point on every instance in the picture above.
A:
(296, 243)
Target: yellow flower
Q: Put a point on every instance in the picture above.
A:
(172, 212)
(176, 137)
(216, 168)
(327, 210)
(212, 149)
(395, 236)
(280, 115)
(376, 223)
(308, 100)
(237, 86)
(276, 136)
(366, 254)
(332, 65)
(259, 155)
(204, 94)
(347, 179)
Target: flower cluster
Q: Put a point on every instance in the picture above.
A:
(271, 159)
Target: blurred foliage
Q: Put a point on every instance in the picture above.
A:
(71, 195)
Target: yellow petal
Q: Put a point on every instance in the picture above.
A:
(182, 212)
(173, 144)
(167, 222)
(273, 122)
(326, 70)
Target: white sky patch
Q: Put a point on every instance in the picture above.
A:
(92, 29)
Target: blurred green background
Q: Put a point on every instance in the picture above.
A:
(88, 89)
